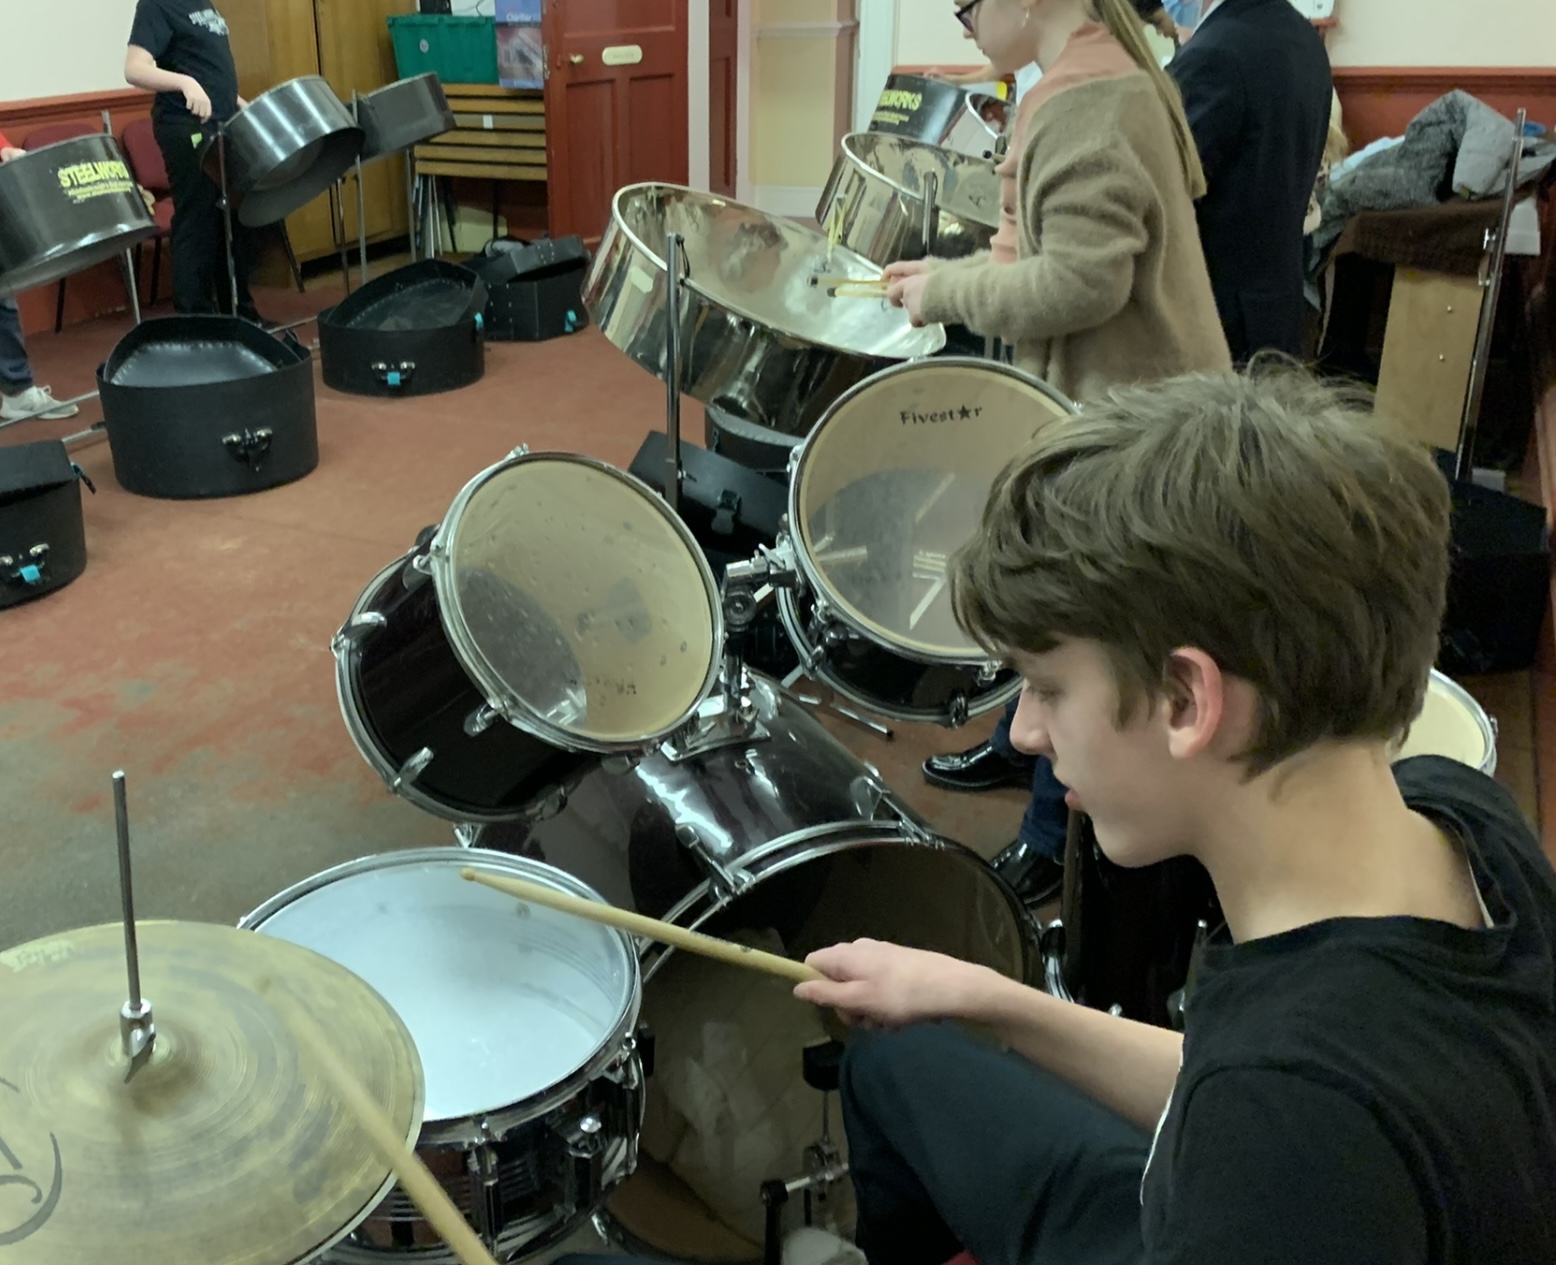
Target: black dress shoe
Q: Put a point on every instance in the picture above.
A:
(980, 768)
(1037, 879)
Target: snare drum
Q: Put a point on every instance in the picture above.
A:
(524, 1019)
(1451, 724)
(561, 612)
(788, 842)
(889, 485)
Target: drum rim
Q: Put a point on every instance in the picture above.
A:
(353, 710)
(1482, 718)
(786, 852)
(494, 1124)
(840, 257)
(486, 679)
(951, 158)
(820, 666)
(811, 574)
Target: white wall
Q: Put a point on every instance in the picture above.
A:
(1443, 33)
(928, 34)
(68, 46)
(1370, 33)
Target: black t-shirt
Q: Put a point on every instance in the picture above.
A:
(1375, 1091)
(188, 37)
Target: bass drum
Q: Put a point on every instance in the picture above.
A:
(784, 841)
(890, 484)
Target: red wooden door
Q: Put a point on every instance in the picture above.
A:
(723, 51)
(615, 104)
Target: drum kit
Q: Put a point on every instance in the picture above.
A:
(556, 669)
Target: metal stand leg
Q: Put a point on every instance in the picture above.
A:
(232, 262)
(338, 227)
(131, 284)
(410, 201)
(361, 227)
(673, 247)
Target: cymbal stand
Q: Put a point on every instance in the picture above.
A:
(137, 1030)
(226, 205)
(338, 229)
(1491, 284)
(675, 246)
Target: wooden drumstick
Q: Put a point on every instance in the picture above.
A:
(425, 1191)
(649, 928)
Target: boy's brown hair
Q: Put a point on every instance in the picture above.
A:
(1265, 518)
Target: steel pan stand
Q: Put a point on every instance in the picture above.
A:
(674, 262)
(126, 260)
(226, 205)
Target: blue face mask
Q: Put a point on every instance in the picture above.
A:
(1185, 12)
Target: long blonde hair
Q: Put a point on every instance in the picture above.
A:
(1128, 29)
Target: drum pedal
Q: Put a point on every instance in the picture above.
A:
(820, 1066)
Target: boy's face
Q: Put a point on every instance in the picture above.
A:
(1133, 781)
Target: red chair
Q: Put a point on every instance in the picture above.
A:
(150, 170)
(52, 134)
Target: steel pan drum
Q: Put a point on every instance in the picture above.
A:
(890, 484)
(64, 208)
(403, 114)
(942, 114)
(286, 148)
(874, 200)
(759, 340)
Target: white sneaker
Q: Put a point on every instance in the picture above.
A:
(31, 401)
(811, 1246)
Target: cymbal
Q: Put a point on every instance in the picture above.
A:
(225, 1147)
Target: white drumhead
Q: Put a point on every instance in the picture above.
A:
(570, 591)
(504, 1001)
(1451, 724)
(894, 480)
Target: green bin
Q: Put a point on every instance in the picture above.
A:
(459, 49)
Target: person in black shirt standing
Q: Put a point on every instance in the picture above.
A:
(179, 50)
(1224, 594)
(1257, 88)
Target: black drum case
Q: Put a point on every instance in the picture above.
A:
(205, 406)
(42, 536)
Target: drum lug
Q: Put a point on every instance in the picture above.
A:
(480, 720)
(422, 562)
(988, 673)
(956, 710)
(1051, 949)
(412, 769)
(357, 630)
(486, 1202)
(585, 1140)
(725, 882)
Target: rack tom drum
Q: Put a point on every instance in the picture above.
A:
(559, 614)
(891, 483)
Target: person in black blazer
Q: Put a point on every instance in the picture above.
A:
(1255, 79)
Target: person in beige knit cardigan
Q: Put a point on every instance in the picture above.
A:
(1096, 277)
